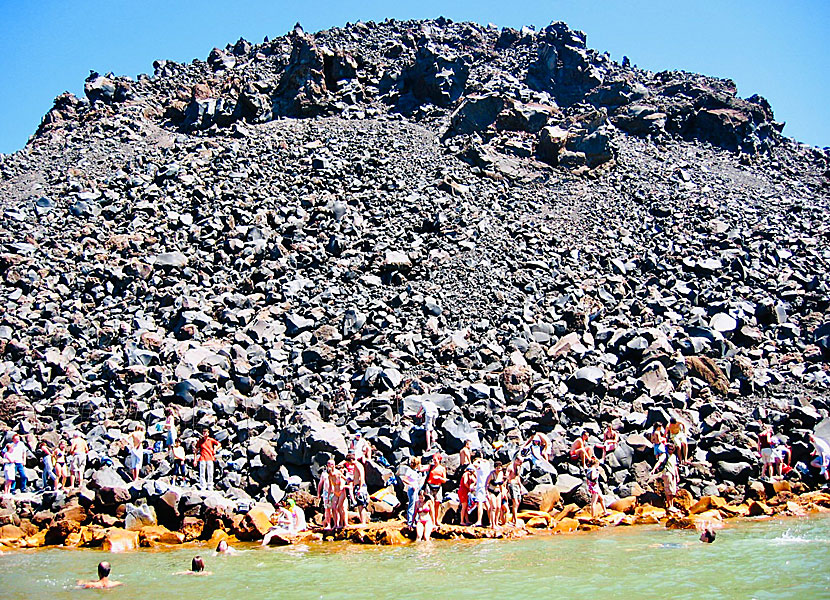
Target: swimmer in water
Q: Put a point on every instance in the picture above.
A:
(197, 567)
(224, 548)
(104, 582)
(707, 536)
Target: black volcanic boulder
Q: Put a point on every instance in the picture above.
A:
(302, 88)
(435, 77)
(564, 66)
(476, 113)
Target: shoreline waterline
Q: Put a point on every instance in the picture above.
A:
(762, 558)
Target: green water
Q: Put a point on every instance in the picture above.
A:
(768, 559)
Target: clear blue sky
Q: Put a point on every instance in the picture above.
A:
(777, 49)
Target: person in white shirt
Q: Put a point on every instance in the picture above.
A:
(17, 455)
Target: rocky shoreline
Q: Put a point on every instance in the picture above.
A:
(297, 241)
(67, 531)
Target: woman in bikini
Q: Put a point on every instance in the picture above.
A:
(340, 509)
(610, 439)
(495, 491)
(592, 479)
(423, 516)
(61, 471)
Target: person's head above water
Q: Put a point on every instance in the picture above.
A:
(222, 546)
(197, 565)
(104, 569)
(707, 536)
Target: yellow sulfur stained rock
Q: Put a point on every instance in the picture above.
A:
(625, 505)
(120, 540)
(153, 535)
(759, 509)
(565, 525)
(37, 540)
(707, 503)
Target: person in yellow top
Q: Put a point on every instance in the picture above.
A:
(677, 435)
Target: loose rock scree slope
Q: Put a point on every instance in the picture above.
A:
(301, 239)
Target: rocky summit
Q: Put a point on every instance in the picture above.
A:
(295, 241)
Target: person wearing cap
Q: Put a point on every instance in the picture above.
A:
(467, 483)
(360, 448)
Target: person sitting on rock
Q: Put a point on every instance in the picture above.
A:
(580, 450)
(360, 448)
(676, 432)
(537, 447)
(658, 440)
(424, 510)
(610, 439)
(284, 523)
(103, 581)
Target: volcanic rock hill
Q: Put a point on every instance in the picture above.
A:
(300, 239)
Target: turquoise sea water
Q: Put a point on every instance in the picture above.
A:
(761, 559)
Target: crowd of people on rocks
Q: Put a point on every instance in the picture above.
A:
(486, 493)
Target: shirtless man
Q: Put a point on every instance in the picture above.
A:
(676, 432)
(78, 450)
(513, 478)
(465, 456)
(103, 582)
(326, 495)
(358, 491)
(580, 450)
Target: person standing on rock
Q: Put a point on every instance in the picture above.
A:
(49, 474)
(17, 455)
(482, 474)
(135, 446)
(340, 506)
(821, 451)
(592, 480)
(179, 459)
(436, 478)
(465, 492)
(206, 457)
(61, 471)
(326, 494)
(170, 432)
(356, 485)
(8, 469)
(412, 479)
(465, 456)
(78, 450)
(765, 450)
(495, 493)
(515, 490)
(429, 412)
(671, 479)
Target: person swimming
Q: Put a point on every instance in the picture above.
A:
(197, 567)
(224, 548)
(707, 536)
(103, 581)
